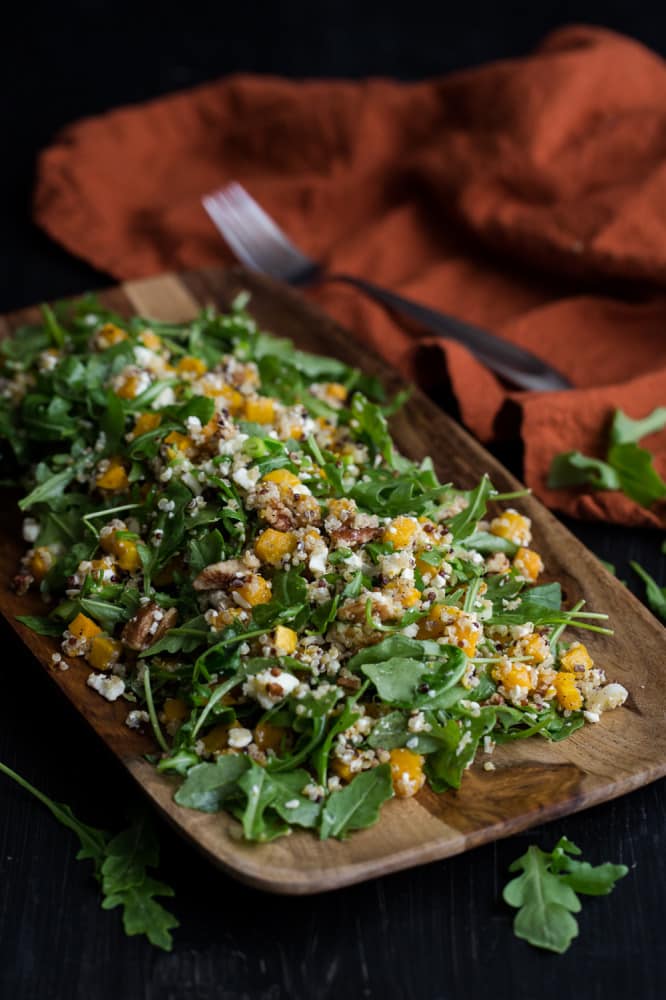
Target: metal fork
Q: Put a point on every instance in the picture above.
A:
(260, 245)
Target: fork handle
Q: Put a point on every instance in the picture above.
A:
(516, 365)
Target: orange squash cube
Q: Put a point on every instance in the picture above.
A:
(272, 546)
(407, 772)
(104, 652)
(260, 411)
(114, 478)
(255, 590)
(83, 627)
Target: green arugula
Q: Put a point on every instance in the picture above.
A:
(357, 805)
(655, 595)
(546, 893)
(627, 467)
(120, 866)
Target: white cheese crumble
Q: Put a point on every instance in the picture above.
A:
(136, 719)
(268, 689)
(110, 688)
(239, 737)
(30, 529)
(606, 698)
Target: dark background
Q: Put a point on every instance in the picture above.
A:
(435, 932)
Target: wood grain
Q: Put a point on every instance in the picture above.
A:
(534, 780)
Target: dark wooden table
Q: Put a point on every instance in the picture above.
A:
(435, 932)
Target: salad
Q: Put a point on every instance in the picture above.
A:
(227, 540)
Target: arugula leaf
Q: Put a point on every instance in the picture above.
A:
(545, 903)
(464, 523)
(371, 425)
(462, 736)
(126, 883)
(208, 786)
(204, 549)
(357, 805)
(546, 893)
(483, 541)
(655, 595)
(181, 639)
(408, 683)
(625, 430)
(142, 914)
(120, 864)
(627, 467)
(290, 804)
(572, 468)
(392, 731)
(53, 486)
(41, 625)
(112, 423)
(637, 476)
(261, 792)
(389, 494)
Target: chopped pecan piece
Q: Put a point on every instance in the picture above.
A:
(148, 626)
(221, 575)
(22, 583)
(347, 527)
(348, 681)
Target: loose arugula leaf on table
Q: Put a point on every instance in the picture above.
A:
(655, 595)
(545, 894)
(120, 866)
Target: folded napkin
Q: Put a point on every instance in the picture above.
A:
(528, 196)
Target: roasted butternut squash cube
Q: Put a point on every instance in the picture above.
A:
(255, 590)
(272, 546)
(260, 411)
(104, 652)
(407, 772)
(400, 531)
(83, 627)
(114, 478)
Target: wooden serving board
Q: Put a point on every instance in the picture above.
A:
(534, 780)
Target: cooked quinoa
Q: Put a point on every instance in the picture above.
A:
(229, 542)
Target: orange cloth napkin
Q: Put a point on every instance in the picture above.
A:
(521, 196)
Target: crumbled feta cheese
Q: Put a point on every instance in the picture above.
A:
(30, 529)
(416, 723)
(606, 698)
(166, 397)
(246, 478)
(239, 737)
(110, 688)
(136, 719)
(268, 688)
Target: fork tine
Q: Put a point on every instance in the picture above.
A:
(263, 239)
(253, 236)
(222, 218)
